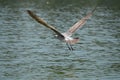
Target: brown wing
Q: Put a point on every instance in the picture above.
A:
(41, 21)
(79, 24)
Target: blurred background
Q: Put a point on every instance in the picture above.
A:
(29, 51)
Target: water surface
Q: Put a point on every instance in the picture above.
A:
(29, 51)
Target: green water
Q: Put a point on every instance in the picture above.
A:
(29, 51)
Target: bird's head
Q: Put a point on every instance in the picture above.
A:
(59, 37)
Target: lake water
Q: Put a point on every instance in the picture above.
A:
(29, 51)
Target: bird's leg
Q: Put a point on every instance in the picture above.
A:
(69, 46)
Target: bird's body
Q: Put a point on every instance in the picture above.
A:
(65, 37)
(69, 39)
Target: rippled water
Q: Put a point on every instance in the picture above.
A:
(29, 51)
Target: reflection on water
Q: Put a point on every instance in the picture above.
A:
(28, 51)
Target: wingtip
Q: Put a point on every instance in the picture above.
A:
(94, 9)
(28, 11)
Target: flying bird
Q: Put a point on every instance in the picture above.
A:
(66, 36)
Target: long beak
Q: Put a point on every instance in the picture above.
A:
(69, 47)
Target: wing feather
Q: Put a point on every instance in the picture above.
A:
(41, 21)
(79, 24)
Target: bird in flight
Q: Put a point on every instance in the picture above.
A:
(66, 36)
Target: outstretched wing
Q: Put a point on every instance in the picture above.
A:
(79, 24)
(41, 21)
